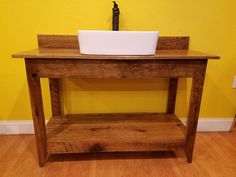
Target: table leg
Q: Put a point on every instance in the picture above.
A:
(37, 110)
(194, 107)
(173, 83)
(55, 96)
(233, 124)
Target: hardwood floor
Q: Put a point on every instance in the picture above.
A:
(215, 156)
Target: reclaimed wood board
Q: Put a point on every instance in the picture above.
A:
(114, 132)
(71, 42)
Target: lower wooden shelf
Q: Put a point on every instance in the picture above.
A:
(114, 132)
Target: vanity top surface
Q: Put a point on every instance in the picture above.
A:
(49, 53)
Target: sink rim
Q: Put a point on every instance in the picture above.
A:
(105, 31)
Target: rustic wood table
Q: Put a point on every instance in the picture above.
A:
(58, 56)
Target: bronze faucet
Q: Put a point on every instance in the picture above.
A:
(115, 19)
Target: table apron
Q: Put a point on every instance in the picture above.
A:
(95, 69)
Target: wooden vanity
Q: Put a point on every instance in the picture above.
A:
(58, 56)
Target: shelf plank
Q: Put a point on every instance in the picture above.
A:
(114, 132)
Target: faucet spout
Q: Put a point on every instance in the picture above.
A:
(115, 18)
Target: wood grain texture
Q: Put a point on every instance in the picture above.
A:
(211, 159)
(71, 42)
(116, 69)
(50, 53)
(172, 90)
(194, 108)
(37, 110)
(55, 96)
(58, 41)
(114, 132)
(173, 43)
(59, 57)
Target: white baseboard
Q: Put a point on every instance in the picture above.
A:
(213, 124)
(16, 127)
(204, 125)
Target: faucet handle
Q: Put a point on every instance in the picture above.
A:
(115, 4)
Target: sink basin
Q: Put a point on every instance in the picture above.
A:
(118, 42)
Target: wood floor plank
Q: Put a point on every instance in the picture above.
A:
(82, 165)
(10, 161)
(215, 156)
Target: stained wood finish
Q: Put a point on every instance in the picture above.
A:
(58, 41)
(59, 57)
(50, 53)
(173, 84)
(114, 132)
(194, 107)
(115, 69)
(37, 110)
(173, 43)
(55, 96)
(71, 42)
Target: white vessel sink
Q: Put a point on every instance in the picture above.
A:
(118, 42)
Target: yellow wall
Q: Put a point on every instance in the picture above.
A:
(211, 25)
